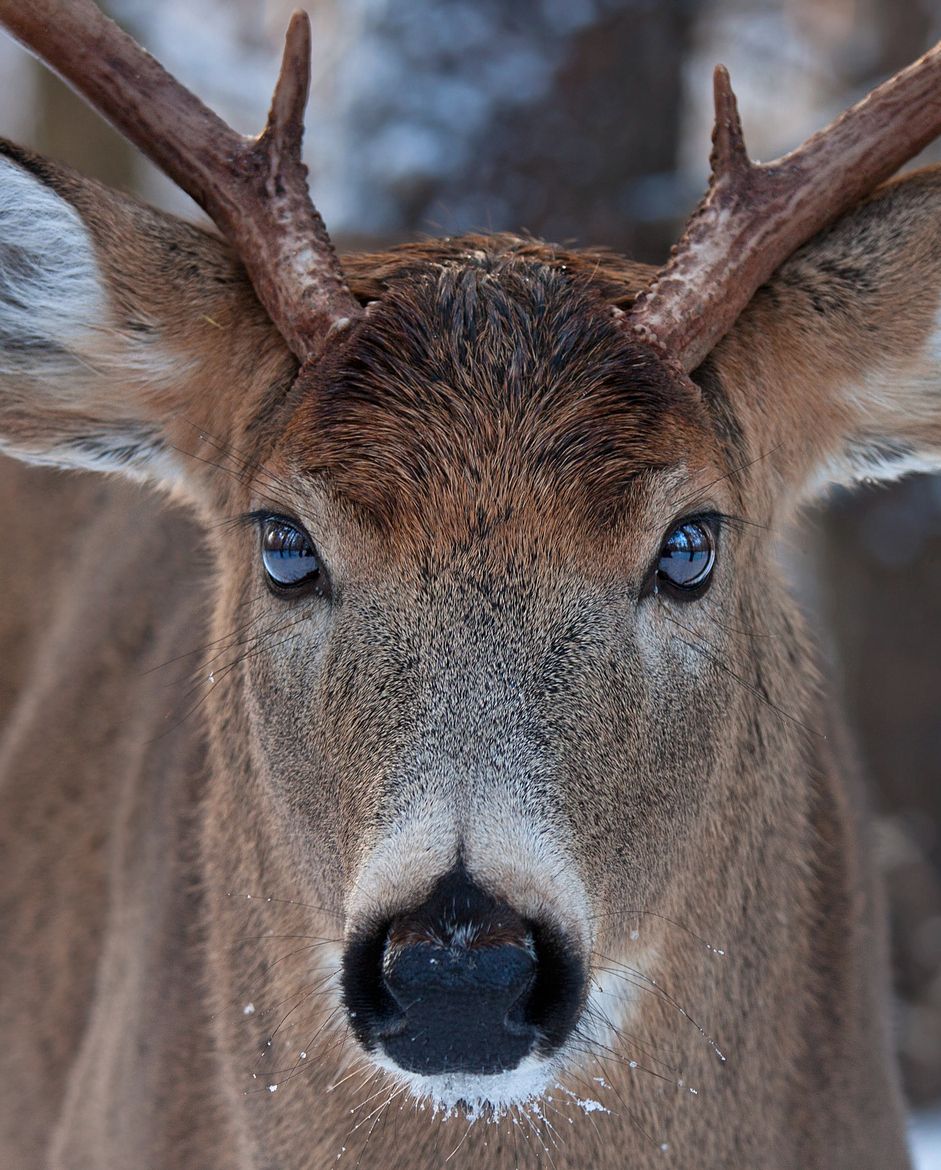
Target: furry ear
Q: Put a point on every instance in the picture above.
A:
(834, 369)
(123, 332)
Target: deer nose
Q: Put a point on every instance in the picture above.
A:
(462, 983)
(459, 1007)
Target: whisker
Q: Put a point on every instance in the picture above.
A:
(379, 1111)
(532, 1125)
(216, 676)
(663, 918)
(238, 476)
(307, 989)
(629, 1112)
(248, 466)
(215, 642)
(301, 1064)
(655, 989)
(697, 493)
(643, 1046)
(337, 1084)
(280, 937)
(740, 633)
(571, 1075)
(259, 899)
(593, 1044)
(461, 1142)
(750, 688)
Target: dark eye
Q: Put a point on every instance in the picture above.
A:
(289, 556)
(687, 557)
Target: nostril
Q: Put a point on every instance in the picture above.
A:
(558, 990)
(369, 1007)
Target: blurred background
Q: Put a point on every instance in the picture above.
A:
(588, 121)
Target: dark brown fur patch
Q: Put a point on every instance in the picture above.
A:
(482, 366)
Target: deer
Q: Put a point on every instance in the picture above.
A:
(411, 754)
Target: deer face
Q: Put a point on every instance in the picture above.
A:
(511, 667)
(482, 559)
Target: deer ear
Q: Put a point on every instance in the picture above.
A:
(834, 369)
(124, 333)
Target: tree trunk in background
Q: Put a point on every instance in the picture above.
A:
(879, 561)
(557, 118)
(68, 131)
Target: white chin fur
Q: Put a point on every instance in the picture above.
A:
(490, 1097)
(477, 1094)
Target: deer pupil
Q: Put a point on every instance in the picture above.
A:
(687, 556)
(288, 555)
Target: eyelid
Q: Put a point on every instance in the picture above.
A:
(715, 520)
(263, 515)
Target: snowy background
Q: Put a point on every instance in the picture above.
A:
(926, 1142)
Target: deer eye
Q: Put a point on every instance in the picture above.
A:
(289, 556)
(687, 558)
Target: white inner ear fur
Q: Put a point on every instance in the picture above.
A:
(887, 404)
(51, 292)
(66, 368)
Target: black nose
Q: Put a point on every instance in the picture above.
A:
(461, 984)
(460, 1002)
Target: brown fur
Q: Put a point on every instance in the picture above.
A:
(498, 368)
(488, 468)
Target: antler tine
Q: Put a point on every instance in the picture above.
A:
(286, 116)
(255, 189)
(754, 216)
(729, 156)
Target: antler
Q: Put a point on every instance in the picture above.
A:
(754, 216)
(255, 189)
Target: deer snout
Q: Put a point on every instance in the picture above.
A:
(461, 984)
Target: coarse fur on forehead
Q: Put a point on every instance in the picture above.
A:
(488, 371)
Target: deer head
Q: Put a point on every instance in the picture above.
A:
(506, 660)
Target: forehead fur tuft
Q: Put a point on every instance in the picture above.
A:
(484, 370)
